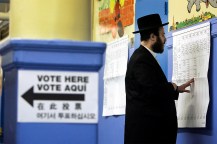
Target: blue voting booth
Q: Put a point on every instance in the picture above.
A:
(52, 116)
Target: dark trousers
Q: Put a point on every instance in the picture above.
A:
(151, 131)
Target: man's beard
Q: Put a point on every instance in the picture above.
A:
(158, 46)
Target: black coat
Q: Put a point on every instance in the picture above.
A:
(150, 107)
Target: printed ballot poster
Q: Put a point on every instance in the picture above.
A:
(191, 54)
(57, 96)
(114, 101)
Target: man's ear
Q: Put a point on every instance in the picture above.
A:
(153, 37)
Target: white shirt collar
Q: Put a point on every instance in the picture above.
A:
(153, 53)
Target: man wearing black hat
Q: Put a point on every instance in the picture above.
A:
(150, 107)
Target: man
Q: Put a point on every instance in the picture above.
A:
(150, 106)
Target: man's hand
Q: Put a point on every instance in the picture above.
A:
(182, 88)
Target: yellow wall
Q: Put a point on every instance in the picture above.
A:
(50, 19)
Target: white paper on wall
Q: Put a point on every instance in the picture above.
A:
(191, 53)
(114, 77)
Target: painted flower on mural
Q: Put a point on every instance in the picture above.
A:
(113, 3)
(193, 20)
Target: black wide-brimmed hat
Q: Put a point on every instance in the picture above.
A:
(149, 22)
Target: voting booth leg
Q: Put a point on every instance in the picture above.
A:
(51, 91)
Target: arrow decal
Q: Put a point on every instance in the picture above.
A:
(30, 96)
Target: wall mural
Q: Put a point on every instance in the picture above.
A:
(213, 3)
(196, 11)
(115, 15)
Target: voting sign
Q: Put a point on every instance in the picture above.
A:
(57, 96)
